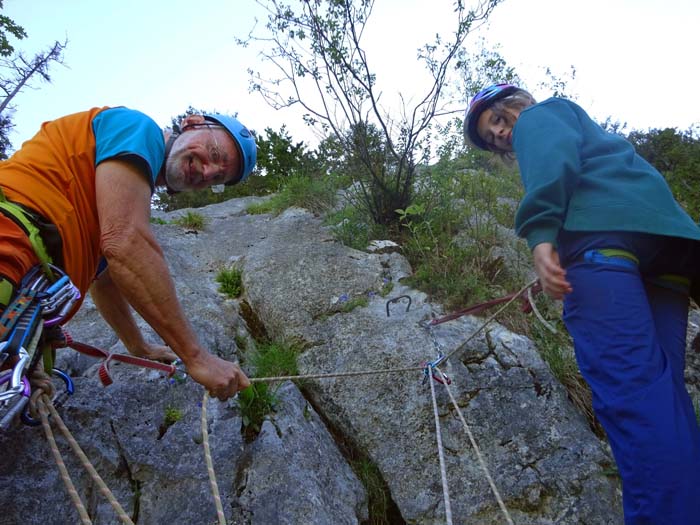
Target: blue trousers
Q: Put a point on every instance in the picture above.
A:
(629, 337)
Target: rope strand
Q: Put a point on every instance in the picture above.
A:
(496, 314)
(339, 374)
(65, 476)
(210, 463)
(45, 401)
(484, 467)
(441, 455)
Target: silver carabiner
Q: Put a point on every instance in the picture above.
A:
(15, 381)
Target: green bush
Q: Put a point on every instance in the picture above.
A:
(353, 228)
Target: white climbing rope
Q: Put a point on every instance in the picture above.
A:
(210, 463)
(441, 454)
(484, 467)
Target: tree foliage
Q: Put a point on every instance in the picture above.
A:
(18, 72)
(279, 156)
(676, 154)
(316, 48)
(7, 25)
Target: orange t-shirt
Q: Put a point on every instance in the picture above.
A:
(54, 174)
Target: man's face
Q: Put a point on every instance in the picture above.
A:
(204, 154)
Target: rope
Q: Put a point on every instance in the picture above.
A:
(496, 314)
(210, 463)
(538, 314)
(441, 455)
(476, 449)
(65, 476)
(42, 403)
(339, 374)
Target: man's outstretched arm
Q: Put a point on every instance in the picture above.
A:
(138, 269)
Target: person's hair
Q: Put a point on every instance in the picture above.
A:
(519, 100)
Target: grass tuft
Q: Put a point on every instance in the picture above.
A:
(258, 401)
(230, 282)
(191, 220)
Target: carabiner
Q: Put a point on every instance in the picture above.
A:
(429, 370)
(57, 400)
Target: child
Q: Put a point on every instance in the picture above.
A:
(609, 239)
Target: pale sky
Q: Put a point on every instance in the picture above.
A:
(636, 60)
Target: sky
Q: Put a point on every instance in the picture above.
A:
(635, 60)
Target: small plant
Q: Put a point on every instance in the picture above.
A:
(353, 229)
(255, 402)
(158, 220)
(230, 282)
(355, 302)
(241, 341)
(172, 416)
(275, 359)
(387, 288)
(258, 400)
(378, 502)
(263, 207)
(191, 220)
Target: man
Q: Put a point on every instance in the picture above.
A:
(86, 180)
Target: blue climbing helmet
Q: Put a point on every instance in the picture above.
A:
(482, 101)
(242, 138)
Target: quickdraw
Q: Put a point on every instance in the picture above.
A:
(32, 321)
(38, 304)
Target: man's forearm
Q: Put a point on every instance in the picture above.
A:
(138, 269)
(116, 311)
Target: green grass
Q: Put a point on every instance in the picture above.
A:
(352, 228)
(230, 282)
(313, 194)
(191, 220)
(378, 501)
(158, 220)
(258, 401)
(355, 302)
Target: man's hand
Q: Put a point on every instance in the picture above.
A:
(221, 378)
(154, 352)
(552, 275)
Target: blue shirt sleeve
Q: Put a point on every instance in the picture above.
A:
(130, 135)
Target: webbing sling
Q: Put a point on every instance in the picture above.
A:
(15, 212)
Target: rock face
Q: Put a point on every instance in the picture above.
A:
(300, 284)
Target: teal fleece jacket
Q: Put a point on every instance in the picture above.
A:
(581, 178)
